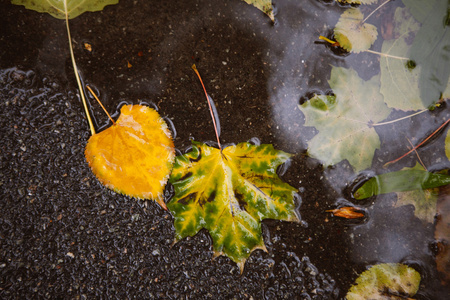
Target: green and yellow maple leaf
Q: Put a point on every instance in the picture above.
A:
(385, 281)
(345, 121)
(352, 34)
(229, 193)
(58, 8)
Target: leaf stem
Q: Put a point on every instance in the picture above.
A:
(386, 55)
(381, 5)
(321, 37)
(396, 120)
(99, 102)
(77, 76)
(413, 149)
(209, 104)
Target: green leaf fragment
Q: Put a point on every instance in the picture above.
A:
(385, 281)
(344, 121)
(263, 5)
(352, 34)
(230, 193)
(400, 181)
(57, 8)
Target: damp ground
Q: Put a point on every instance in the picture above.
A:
(63, 235)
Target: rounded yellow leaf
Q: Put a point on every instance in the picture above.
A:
(134, 156)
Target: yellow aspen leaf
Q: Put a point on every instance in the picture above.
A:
(135, 156)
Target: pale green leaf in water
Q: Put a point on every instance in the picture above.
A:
(431, 51)
(385, 281)
(344, 121)
(400, 84)
(352, 34)
(263, 5)
(56, 8)
(401, 181)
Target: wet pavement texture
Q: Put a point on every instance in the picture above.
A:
(64, 235)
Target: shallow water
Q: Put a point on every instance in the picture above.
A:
(63, 234)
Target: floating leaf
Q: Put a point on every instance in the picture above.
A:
(431, 51)
(352, 34)
(415, 66)
(57, 8)
(404, 180)
(263, 5)
(134, 156)
(344, 121)
(230, 193)
(400, 84)
(385, 281)
(348, 212)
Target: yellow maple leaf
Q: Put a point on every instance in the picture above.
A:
(135, 155)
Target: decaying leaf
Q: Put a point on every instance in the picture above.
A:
(423, 200)
(344, 120)
(348, 212)
(385, 281)
(134, 156)
(230, 193)
(352, 34)
(57, 8)
(263, 5)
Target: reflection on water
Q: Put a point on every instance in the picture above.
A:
(299, 67)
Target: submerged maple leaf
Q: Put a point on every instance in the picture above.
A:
(229, 193)
(134, 156)
(345, 121)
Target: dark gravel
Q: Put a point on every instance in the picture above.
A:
(63, 235)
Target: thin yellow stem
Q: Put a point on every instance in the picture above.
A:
(99, 102)
(321, 37)
(77, 76)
